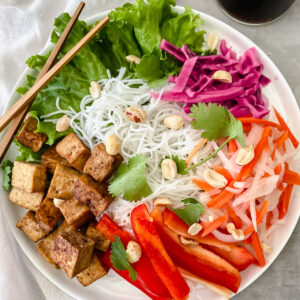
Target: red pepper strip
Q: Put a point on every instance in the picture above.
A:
(209, 227)
(263, 122)
(223, 171)
(198, 260)
(232, 147)
(238, 256)
(216, 288)
(231, 213)
(203, 185)
(284, 201)
(291, 177)
(147, 279)
(286, 128)
(258, 250)
(145, 231)
(259, 218)
(218, 201)
(139, 283)
(279, 142)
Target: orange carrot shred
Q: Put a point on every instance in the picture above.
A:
(258, 250)
(279, 142)
(203, 185)
(221, 170)
(259, 218)
(209, 227)
(284, 201)
(194, 151)
(231, 213)
(250, 120)
(285, 127)
(291, 177)
(232, 146)
(269, 219)
(247, 241)
(278, 169)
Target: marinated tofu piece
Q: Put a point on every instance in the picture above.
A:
(51, 159)
(101, 242)
(94, 194)
(63, 182)
(72, 252)
(94, 271)
(101, 165)
(48, 215)
(28, 177)
(74, 151)
(29, 138)
(46, 244)
(31, 201)
(75, 212)
(30, 226)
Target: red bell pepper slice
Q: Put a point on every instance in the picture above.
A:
(144, 229)
(147, 279)
(238, 256)
(197, 260)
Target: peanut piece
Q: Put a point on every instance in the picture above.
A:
(212, 40)
(132, 58)
(245, 155)
(169, 169)
(57, 202)
(266, 248)
(194, 229)
(162, 202)
(133, 252)
(95, 89)
(63, 124)
(135, 114)
(222, 76)
(113, 144)
(174, 122)
(214, 178)
(188, 242)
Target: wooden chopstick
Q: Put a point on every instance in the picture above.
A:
(30, 95)
(12, 130)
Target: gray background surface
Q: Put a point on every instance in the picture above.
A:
(281, 41)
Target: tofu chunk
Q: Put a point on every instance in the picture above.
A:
(94, 271)
(31, 201)
(101, 242)
(63, 182)
(101, 165)
(46, 244)
(29, 138)
(48, 215)
(30, 226)
(51, 159)
(75, 212)
(74, 151)
(93, 194)
(72, 252)
(28, 177)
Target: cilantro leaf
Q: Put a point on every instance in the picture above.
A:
(7, 168)
(119, 259)
(130, 179)
(189, 200)
(216, 122)
(180, 164)
(191, 212)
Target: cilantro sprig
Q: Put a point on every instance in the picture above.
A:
(130, 180)
(217, 122)
(119, 259)
(7, 168)
(191, 212)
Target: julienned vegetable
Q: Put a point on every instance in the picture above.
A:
(195, 83)
(147, 279)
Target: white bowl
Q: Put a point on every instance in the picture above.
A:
(112, 287)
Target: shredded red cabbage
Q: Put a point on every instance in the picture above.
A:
(242, 97)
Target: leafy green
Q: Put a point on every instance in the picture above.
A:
(26, 154)
(191, 212)
(217, 123)
(119, 259)
(130, 180)
(7, 169)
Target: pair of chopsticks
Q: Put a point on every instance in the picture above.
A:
(19, 110)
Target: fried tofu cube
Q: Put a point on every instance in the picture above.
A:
(28, 177)
(75, 212)
(48, 215)
(93, 194)
(72, 252)
(31, 201)
(63, 182)
(74, 151)
(46, 244)
(94, 271)
(101, 165)
(29, 138)
(101, 242)
(51, 159)
(30, 226)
